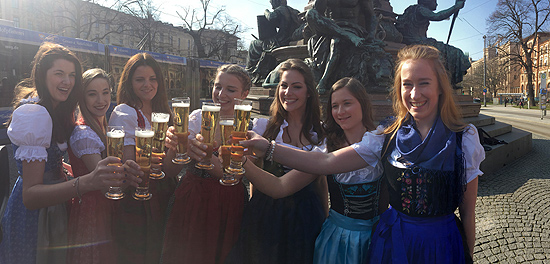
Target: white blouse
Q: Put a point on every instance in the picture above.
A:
(126, 116)
(84, 141)
(31, 130)
(369, 148)
(473, 152)
(260, 125)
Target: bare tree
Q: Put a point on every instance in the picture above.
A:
(144, 23)
(520, 21)
(78, 18)
(213, 34)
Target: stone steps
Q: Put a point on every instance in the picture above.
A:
(519, 142)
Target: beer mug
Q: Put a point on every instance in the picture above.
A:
(226, 127)
(180, 107)
(243, 108)
(144, 147)
(159, 125)
(210, 117)
(115, 148)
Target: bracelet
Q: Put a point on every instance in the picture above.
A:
(271, 150)
(76, 185)
(268, 149)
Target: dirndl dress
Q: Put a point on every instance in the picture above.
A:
(34, 236)
(90, 221)
(354, 202)
(420, 226)
(204, 216)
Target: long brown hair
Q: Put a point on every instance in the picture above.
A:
(126, 94)
(313, 112)
(62, 115)
(87, 77)
(449, 113)
(336, 138)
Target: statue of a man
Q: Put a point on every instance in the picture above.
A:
(413, 24)
(284, 22)
(343, 41)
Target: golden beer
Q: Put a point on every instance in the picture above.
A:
(144, 147)
(243, 109)
(159, 124)
(242, 117)
(115, 148)
(181, 120)
(210, 117)
(226, 127)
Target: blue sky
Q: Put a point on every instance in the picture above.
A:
(467, 33)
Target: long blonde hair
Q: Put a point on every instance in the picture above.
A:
(87, 77)
(449, 113)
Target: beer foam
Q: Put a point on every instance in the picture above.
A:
(226, 122)
(180, 105)
(145, 133)
(115, 134)
(160, 117)
(243, 107)
(211, 108)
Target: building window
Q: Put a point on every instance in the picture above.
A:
(108, 40)
(30, 25)
(107, 26)
(96, 25)
(15, 3)
(16, 22)
(179, 43)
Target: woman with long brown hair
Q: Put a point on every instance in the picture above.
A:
(139, 225)
(284, 230)
(35, 221)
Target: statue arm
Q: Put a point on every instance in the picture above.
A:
(441, 15)
(367, 10)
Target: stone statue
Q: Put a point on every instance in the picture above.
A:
(342, 43)
(276, 29)
(413, 24)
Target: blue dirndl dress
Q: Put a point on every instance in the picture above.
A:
(420, 226)
(34, 236)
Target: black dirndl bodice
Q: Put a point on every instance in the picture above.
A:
(358, 201)
(421, 192)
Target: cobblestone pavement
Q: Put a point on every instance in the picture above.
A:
(513, 210)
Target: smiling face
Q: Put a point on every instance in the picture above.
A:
(226, 88)
(60, 80)
(144, 83)
(292, 91)
(97, 96)
(346, 110)
(420, 90)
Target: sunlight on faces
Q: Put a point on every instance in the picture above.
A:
(60, 79)
(145, 83)
(293, 91)
(97, 96)
(226, 88)
(420, 90)
(346, 109)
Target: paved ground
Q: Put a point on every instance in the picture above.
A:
(513, 206)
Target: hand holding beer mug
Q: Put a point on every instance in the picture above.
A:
(144, 147)
(226, 126)
(180, 107)
(210, 117)
(115, 148)
(240, 127)
(159, 125)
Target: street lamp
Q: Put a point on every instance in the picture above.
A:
(484, 70)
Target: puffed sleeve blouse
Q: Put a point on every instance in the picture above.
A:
(31, 130)
(84, 141)
(126, 116)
